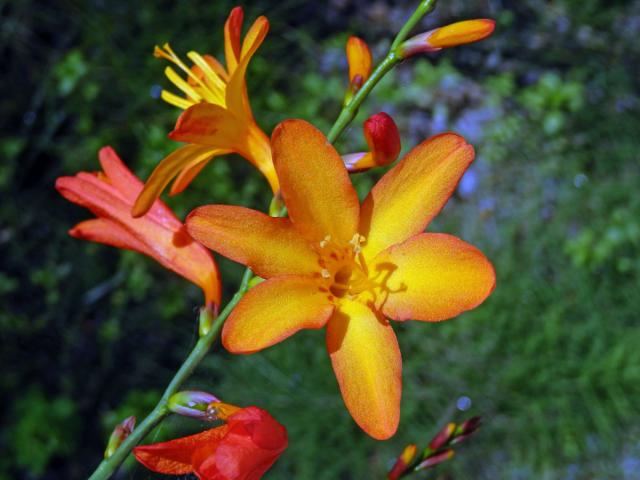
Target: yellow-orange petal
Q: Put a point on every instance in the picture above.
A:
(273, 311)
(314, 182)
(232, 33)
(435, 277)
(236, 95)
(359, 59)
(367, 362)
(167, 170)
(459, 33)
(209, 125)
(269, 246)
(405, 200)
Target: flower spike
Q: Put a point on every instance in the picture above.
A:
(160, 235)
(217, 119)
(383, 138)
(459, 33)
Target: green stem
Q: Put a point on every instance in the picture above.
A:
(350, 110)
(109, 465)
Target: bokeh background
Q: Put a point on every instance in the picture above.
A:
(551, 361)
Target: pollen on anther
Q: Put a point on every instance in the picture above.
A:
(325, 241)
(325, 273)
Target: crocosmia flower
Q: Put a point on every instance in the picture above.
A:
(383, 138)
(242, 449)
(348, 267)
(160, 235)
(459, 33)
(217, 119)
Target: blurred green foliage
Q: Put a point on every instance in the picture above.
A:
(551, 360)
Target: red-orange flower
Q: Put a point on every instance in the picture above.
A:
(217, 118)
(160, 235)
(242, 449)
(350, 267)
(459, 33)
(383, 138)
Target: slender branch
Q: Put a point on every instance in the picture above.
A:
(111, 464)
(350, 110)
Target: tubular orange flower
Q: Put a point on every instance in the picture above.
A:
(160, 235)
(359, 60)
(242, 449)
(383, 138)
(217, 118)
(459, 33)
(349, 267)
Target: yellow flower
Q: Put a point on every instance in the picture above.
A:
(347, 266)
(217, 119)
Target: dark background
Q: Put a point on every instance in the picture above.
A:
(551, 361)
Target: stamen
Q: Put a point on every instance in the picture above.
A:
(325, 273)
(356, 241)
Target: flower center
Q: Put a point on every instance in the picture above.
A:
(342, 269)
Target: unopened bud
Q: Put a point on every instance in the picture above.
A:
(442, 437)
(119, 434)
(458, 33)
(435, 460)
(205, 321)
(466, 429)
(277, 207)
(403, 462)
(192, 404)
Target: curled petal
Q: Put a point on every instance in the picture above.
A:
(458, 33)
(383, 138)
(181, 164)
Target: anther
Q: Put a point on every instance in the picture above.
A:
(325, 273)
(324, 242)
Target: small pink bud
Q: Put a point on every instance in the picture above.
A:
(442, 437)
(119, 434)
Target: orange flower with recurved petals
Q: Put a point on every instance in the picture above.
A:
(242, 449)
(349, 267)
(217, 119)
(159, 235)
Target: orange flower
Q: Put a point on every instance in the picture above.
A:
(383, 138)
(242, 449)
(349, 267)
(459, 33)
(159, 235)
(359, 60)
(217, 118)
